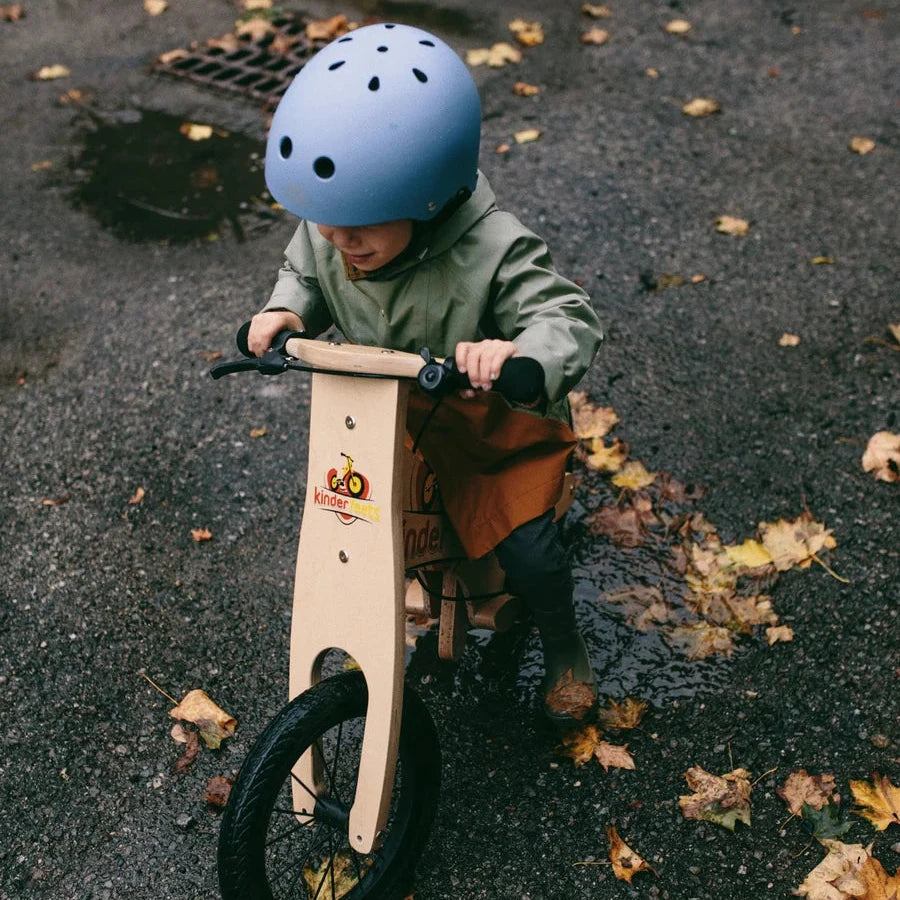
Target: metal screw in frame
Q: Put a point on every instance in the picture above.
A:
(350, 422)
(344, 556)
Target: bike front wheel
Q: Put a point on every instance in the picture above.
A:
(268, 850)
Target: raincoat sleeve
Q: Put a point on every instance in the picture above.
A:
(547, 316)
(297, 288)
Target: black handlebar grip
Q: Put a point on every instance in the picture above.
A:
(521, 380)
(241, 340)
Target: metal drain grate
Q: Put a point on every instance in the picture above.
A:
(261, 68)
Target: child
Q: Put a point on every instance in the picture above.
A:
(375, 147)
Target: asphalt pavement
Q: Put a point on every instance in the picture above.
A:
(106, 340)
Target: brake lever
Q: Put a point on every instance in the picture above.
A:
(273, 362)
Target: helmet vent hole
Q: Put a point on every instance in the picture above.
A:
(286, 147)
(427, 43)
(336, 65)
(344, 40)
(374, 84)
(420, 75)
(390, 26)
(382, 49)
(323, 167)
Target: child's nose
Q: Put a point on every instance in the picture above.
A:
(346, 237)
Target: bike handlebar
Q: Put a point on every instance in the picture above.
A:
(521, 379)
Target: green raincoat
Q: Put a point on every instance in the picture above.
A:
(479, 274)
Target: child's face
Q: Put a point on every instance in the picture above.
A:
(369, 247)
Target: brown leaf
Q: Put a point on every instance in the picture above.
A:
(842, 860)
(256, 29)
(328, 29)
(882, 456)
(596, 36)
(722, 799)
(625, 862)
(214, 723)
(862, 145)
(778, 633)
(523, 89)
(700, 640)
(625, 526)
(801, 787)
(528, 34)
(633, 476)
(700, 107)
(192, 748)
(732, 225)
(871, 882)
(795, 543)
(570, 697)
(201, 534)
(217, 790)
(136, 497)
(625, 715)
(879, 801)
(596, 12)
(586, 744)
(12, 12)
(496, 56)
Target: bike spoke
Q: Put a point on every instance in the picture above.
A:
(305, 788)
(299, 826)
(303, 863)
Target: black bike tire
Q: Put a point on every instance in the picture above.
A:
(241, 853)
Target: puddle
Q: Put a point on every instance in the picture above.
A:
(147, 181)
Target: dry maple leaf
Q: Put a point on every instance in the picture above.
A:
(596, 36)
(882, 456)
(644, 605)
(588, 420)
(732, 225)
(634, 476)
(528, 34)
(605, 458)
(871, 882)
(700, 107)
(700, 640)
(217, 790)
(496, 56)
(795, 543)
(327, 29)
(722, 799)
(749, 555)
(586, 744)
(192, 748)
(213, 722)
(334, 878)
(624, 715)
(841, 861)
(880, 801)
(801, 787)
(779, 633)
(625, 526)
(256, 29)
(625, 862)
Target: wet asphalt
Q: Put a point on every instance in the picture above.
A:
(104, 351)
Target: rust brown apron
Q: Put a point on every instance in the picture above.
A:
(496, 467)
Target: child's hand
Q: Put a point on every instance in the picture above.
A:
(265, 325)
(482, 362)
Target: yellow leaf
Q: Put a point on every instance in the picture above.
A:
(634, 476)
(214, 723)
(596, 12)
(842, 859)
(795, 543)
(50, 73)
(335, 876)
(625, 862)
(701, 106)
(137, 496)
(528, 34)
(749, 555)
(201, 534)
(259, 432)
(700, 640)
(607, 459)
(586, 744)
(194, 132)
(801, 787)
(527, 135)
(495, 57)
(880, 801)
(862, 145)
(155, 7)
(624, 715)
(256, 29)
(595, 36)
(882, 456)
(590, 421)
(871, 882)
(777, 633)
(788, 340)
(822, 261)
(722, 799)
(677, 26)
(523, 89)
(732, 225)
(328, 29)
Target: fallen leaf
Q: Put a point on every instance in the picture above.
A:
(677, 26)
(862, 145)
(256, 29)
(650, 72)
(779, 633)
(788, 340)
(605, 458)
(334, 878)
(528, 34)
(214, 723)
(570, 697)
(12, 12)
(595, 36)
(589, 421)
(795, 543)
(625, 862)
(43, 166)
(882, 456)
(502, 148)
(327, 29)
(50, 73)
(527, 135)
(624, 525)
(894, 328)
(825, 823)
(259, 432)
(701, 106)
(136, 497)
(596, 12)
(73, 95)
(842, 859)
(822, 261)
(871, 882)
(732, 225)
(523, 89)
(217, 791)
(586, 744)
(800, 787)
(194, 132)
(700, 640)
(722, 799)
(749, 555)
(625, 715)
(879, 801)
(699, 278)
(251, 5)
(633, 476)
(201, 534)
(496, 56)
(55, 501)
(644, 605)
(155, 7)
(192, 748)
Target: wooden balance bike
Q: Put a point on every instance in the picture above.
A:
(337, 795)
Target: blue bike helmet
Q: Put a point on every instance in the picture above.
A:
(381, 124)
